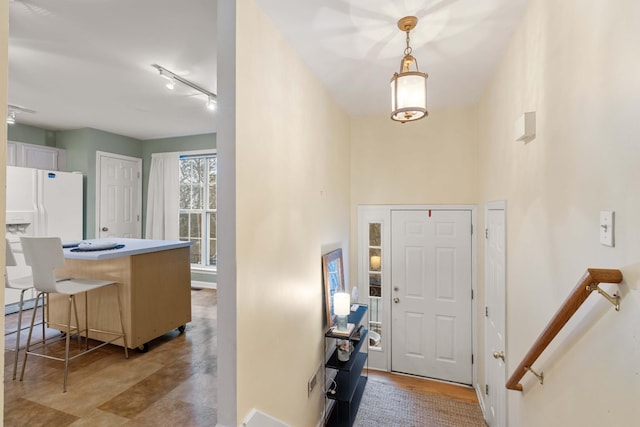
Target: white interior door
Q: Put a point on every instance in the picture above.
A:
(119, 196)
(495, 269)
(431, 280)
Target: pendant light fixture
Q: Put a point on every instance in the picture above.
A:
(408, 88)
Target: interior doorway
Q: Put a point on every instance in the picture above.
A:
(118, 196)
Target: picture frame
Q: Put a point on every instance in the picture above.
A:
(333, 281)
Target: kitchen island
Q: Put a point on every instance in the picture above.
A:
(154, 281)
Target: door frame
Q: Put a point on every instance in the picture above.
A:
(98, 201)
(494, 205)
(381, 359)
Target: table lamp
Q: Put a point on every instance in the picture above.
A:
(341, 308)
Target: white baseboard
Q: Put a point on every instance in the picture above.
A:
(260, 419)
(204, 285)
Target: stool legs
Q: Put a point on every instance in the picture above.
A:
(20, 307)
(33, 319)
(72, 303)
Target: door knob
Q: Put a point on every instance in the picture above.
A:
(498, 355)
(104, 229)
(396, 300)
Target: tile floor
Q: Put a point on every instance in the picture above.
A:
(173, 384)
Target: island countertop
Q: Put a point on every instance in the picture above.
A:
(131, 247)
(154, 286)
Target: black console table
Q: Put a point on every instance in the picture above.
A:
(349, 382)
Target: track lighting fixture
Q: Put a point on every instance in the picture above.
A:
(13, 109)
(173, 78)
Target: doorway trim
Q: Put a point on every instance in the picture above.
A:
(98, 201)
(381, 359)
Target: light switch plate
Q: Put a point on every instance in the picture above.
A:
(607, 228)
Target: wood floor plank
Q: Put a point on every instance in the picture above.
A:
(424, 385)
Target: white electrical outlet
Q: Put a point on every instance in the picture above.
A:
(607, 228)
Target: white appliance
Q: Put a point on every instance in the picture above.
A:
(40, 203)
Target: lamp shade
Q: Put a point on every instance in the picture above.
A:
(341, 303)
(408, 96)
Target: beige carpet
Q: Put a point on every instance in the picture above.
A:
(386, 406)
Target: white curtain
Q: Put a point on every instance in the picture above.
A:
(163, 197)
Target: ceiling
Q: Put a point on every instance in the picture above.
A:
(87, 63)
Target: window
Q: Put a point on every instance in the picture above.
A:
(198, 177)
(374, 245)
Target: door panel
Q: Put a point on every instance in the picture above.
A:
(495, 319)
(119, 212)
(431, 291)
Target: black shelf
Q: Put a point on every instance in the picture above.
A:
(333, 361)
(355, 317)
(346, 381)
(344, 413)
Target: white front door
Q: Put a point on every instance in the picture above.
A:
(495, 263)
(119, 196)
(431, 283)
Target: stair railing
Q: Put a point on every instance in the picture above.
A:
(587, 284)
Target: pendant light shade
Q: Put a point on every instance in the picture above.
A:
(408, 88)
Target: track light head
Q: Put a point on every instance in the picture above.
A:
(211, 103)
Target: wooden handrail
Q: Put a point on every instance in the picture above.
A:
(583, 289)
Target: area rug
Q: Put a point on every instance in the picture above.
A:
(386, 406)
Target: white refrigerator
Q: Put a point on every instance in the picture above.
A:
(41, 203)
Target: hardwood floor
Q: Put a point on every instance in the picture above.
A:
(425, 386)
(173, 384)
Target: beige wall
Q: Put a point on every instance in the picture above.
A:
(433, 160)
(576, 64)
(292, 203)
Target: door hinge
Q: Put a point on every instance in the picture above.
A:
(486, 311)
(472, 229)
(472, 358)
(471, 294)
(138, 218)
(486, 389)
(138, 175)
(486, 233)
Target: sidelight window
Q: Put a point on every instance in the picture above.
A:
(375, 279)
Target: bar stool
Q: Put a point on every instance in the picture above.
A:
(23, 284)
(44, 254)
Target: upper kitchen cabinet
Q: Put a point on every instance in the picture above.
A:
(36, 156)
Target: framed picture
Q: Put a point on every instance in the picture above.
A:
(333, 281)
